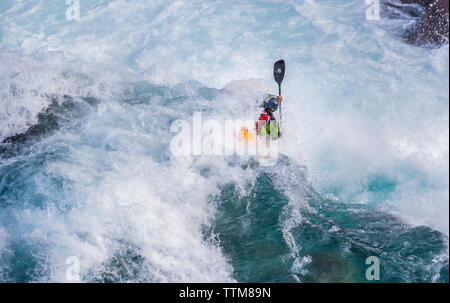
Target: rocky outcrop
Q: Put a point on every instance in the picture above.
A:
(432, 29)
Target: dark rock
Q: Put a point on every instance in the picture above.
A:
(432, 29)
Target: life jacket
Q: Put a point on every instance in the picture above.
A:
(267, 125)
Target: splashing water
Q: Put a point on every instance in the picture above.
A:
(86, 170)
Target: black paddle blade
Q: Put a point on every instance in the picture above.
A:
(278, 71)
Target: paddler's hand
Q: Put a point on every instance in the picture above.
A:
(280, 98)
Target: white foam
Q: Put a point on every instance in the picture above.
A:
(381, 111)
(3, 239)
(28, 83)
(124, 198)
(358, 102)
(3, 247)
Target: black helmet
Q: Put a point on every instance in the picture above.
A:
(271, 103)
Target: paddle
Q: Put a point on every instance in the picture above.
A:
(278, 72)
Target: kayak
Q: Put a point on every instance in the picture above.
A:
(262, 147)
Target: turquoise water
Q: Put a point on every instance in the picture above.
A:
(336, 239)
(86, 169)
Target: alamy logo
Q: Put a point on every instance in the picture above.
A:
(373, 271)
(73, 11)
(73, 269)
(373, 11)
(222, 138)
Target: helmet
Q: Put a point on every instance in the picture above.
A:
(271, 103)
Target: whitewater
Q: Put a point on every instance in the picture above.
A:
(87, 177)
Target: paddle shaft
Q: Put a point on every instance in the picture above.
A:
(279, 94)
(278, 72)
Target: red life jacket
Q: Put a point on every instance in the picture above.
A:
(264, 118)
